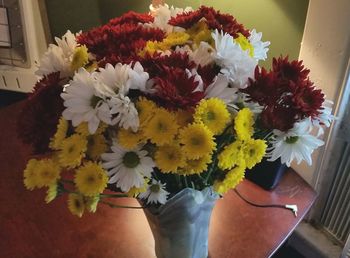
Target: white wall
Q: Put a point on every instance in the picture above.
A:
(325, 51)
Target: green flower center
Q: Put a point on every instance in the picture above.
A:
(292, 139)
(196, 141)
(155, 188)
(162, 127)
(131, 159)
(210, 116)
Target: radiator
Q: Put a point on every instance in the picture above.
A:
(336, 214)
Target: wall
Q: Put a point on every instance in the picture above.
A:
(325, 50)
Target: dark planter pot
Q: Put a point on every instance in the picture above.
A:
(266, 174)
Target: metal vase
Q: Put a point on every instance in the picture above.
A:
(180, 227)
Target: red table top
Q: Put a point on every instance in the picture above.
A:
(31, 228)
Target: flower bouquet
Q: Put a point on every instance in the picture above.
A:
(169, 107)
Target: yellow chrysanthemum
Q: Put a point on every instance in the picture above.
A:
(153, 46)
(176, 39)
(162, 127)
(72, 151)
(83, 129)
(47, 172)
(60, 134)
(80, 57)
(146, 109)
(76, 204)
(244, 122)
(245, 44)
(231, 155)
(96, 146)
(135, 191)
(212, 113)
(184, 117)
(91, 179)
(51, 193)
(91, 203)
(196, 166)
(200, 32)
(231, 180)
(129, 139)
(198, 141)
(254, 151)
(30, 174)
(169, 158)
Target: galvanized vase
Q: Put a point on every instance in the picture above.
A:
(180, 227)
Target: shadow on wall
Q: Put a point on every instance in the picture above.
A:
(295, 10)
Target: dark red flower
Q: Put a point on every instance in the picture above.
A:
(208, 73)
(132, 17)
(156, 64)
(176, 90)
(264, 89)
(214, 19)
(308, 100)
(286, 93)
(290, 71)
(38, 120)
(281, 118)
(120, 42)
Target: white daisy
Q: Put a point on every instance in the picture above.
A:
(297, 144)
(220, 88)
(84, 102)
(114, 79)
(235, 63)
(124, 112)
(325, 117)
(127, 168)
(120, 78)
(58, 57)
(138, 77)
(155, 193)
(197, 78)
(260, 47)
(162, 15)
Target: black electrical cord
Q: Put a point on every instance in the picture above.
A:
(293, 208)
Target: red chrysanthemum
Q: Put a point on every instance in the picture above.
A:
(214, 19)
(264, 89)
(176, 90)
(120, 42)
(281, 118)
(132, 17)
(37, 122)
(293, 71)
(308, 100)
(208, 73)
(286, 93)
(156, 64)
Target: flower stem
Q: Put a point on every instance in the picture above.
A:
(112, 205)
(114, 195)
